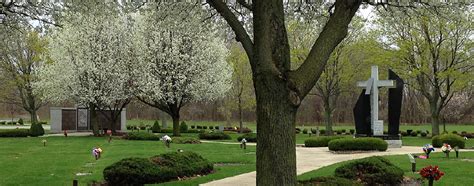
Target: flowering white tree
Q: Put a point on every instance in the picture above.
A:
(93, 61)
(181, 59)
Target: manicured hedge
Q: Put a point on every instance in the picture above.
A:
(156, 127)
(451, 139)
(36, 129)
(183, 128)
(157, 169)
(141, 136)
(214, 136)
(166, 131)
(350, 144)
(329, 180)
(321, 141)
(371, 171)
(15, 133)
(250, 137)
(185, 140)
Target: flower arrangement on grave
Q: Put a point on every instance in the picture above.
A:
(428, 148)
(44, 142)
(446, 148)
(431, 173)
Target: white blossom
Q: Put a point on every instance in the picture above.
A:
(181, 60)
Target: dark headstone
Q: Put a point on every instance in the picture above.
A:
(362, 115)
(395, 96)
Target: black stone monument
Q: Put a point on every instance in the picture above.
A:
(362, 111)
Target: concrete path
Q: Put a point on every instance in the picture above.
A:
(45, 127)
(308, 159)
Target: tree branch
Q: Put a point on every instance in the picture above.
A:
(245, 4)
(241, 34)
(333, 33)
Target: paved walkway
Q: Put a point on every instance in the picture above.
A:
(45, 127)
(308, 159)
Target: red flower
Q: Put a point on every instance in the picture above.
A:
(431, 172)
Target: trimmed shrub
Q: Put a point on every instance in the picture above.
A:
(305, 131)
(20, 121)
(413, 133)
(204, 127)
(463, 132)
(451, 139)
(338, 132)
(142, 126)
(321, 141)
(2, 122)
(183, 127)
(141, 136)
(352, 131)
(250, 137)
(185, 140)
(211, 127)
(418, 131)
(214, 136)
(423, 134)
(136, 171)
(199, 127)
(403, 133)
(129, 127)
(216, 127)
(455, 132)
(322, 131)
(371, 171)
(409, 131)
(365, 144)
(162, 168)
(14, 133)
(246, 130)
(156, 127)
(298, 130)
(193, 127)
(343, 130)
(314, 131)
(195, 131)
(166, 130)
(329, 180)
(36, 129)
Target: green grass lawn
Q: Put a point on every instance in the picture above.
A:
(457, 171)
(24, 161)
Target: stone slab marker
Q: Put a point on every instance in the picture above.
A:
(372, 86)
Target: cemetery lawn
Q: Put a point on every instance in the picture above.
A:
(24, 161)
(457, 171)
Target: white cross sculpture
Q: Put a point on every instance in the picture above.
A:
(372, 87)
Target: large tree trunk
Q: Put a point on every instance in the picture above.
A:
(276, 153)
(176, 131)
(241, 117)
(33, 116)
(93, 122)
(328, 116)
(434, 119)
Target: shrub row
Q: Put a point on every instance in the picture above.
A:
(371, 171)
(141, 136)
(321, 141)
(34, 131)
(157, 169)
(185, 140)
(250, 137)
(451, 139)
(15, 133)
(364, 144)
(214, 136)
(328, 180)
